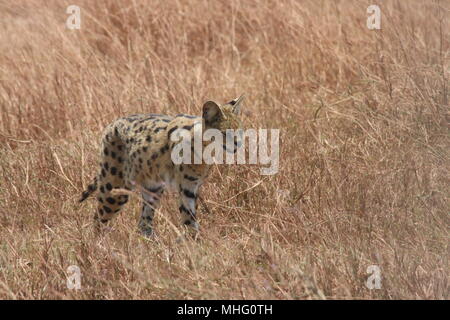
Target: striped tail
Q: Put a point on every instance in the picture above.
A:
(90, 189)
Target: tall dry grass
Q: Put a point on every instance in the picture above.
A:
(364, 175)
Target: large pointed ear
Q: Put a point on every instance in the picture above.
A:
(211, 112)
(236, 103)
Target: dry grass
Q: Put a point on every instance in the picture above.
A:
(364, 119)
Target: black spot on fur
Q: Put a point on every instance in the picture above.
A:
(111, 200)
(84, 195)
(107, 209)
(109, 186)
(113, 171)
(183, 209)
(189, 194)
(190, 178)
(170, 131)
(187, 211)
(164, 149)
(159, 129)
(154, 190)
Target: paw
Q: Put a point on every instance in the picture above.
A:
(193, 226)
(147, 231)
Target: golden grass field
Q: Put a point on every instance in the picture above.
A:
(364, 148)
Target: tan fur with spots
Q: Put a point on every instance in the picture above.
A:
(136, 150)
